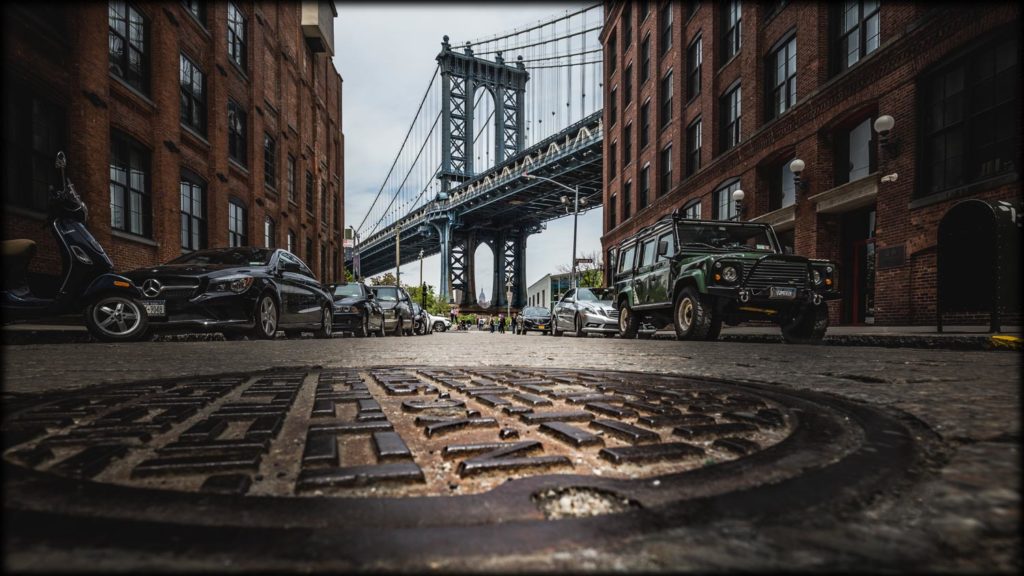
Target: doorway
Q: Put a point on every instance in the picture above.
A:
(857, 274)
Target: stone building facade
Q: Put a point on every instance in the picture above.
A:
(186, 125)
(703, 98)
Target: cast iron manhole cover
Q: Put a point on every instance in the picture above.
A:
(385, 461)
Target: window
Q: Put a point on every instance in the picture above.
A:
(613, 56)
(323, 203)
(855, 157)
(781, 84)
(626, 261)
(309, 250)
(668, 239)
(197, 9)
(269, 233)
(724, 208)
(129, 186)
(645, 124)
(613, 107)
(692, 210)
(627, 145)
(613, 217)
(627, 81)
(781, 188)
(645, 187)
(323, 261)
(193, 212)
(732, 17)
(612, 164)
(731, 112)
(193, 96)
(627, 26)
(694, 59)
(691, 8)
(645, 9)
(647, 252)
(269, 161)
(309, 192)
(291, 241)
(34, 131)
(856, 25)
(627, 200)
(666, 27)
(237, 129)
(127, 38)
(774, 7)
(693, 137)
(337, 214)
(666, 99)
(666, 171)
(237, 40)
(236, 224)
(645, 62)
(971, 117)
(291, 178)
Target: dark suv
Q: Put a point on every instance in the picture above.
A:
(697, 274)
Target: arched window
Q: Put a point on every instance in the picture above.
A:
(722, 206)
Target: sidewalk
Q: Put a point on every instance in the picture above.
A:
(952, 338)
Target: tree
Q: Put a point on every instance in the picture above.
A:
(348, 276)
(434, 305)
(591, 274)
(386, 279)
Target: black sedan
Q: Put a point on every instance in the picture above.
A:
(356, 310)
(397, 307)
(534, 318)
(237, 291)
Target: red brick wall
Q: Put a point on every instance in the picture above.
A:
(276, 90)
(914, 36)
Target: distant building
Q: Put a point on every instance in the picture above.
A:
(482, 300)
(548, 289)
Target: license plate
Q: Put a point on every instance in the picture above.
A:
(540, 327)
(782, 293)
(154, 307)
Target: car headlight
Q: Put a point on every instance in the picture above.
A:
(236, 284)
(816, 276)
(730, 274)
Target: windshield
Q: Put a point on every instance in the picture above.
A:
(347, 291)
(229, 257)
(386, 294)
(726, 236)
(593, 294)
(535, 311)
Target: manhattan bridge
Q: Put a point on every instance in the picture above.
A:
(526, 101)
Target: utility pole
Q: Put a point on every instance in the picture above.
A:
(423, 285)
(398, 254)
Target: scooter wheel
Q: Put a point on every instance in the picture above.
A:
(114, 318)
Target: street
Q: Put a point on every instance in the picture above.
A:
(955, 506)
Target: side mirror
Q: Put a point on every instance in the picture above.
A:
(662, 247)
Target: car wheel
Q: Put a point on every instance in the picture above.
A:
(399, 331)
(380, 329)
(578, 325)
(326, 329)
(363, 330)
(691, 315)
(808, 327)
(266, 318)
(438, 327)
(554, 329)
(629, 323)
(115, 318)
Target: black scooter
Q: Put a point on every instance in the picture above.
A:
(111, 303)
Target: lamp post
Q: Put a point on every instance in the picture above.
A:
(508, 301)
(398, 254)
(575, 214)
(423, 285)
(737, 197)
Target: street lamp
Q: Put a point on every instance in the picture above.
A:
(508, 301)
(737, 197)
(423, 285)
(575, 213)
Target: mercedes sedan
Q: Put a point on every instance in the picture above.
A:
(586, 311)
(534, 318)
(238, 291)
(356, 310)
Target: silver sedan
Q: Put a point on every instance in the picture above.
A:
(586, 311)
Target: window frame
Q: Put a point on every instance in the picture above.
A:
(238, 133)
(191, 104)
(237, 214)
(310, 193)
(665, 174)
(667, 100)
(644, 191)
(731, 129)
(124, 144)
(788, 87)
(840, 57)
(123, 61)
(691, 150)
(269, 232)
(290, 168)
(645, 124)
(732, 38)
(31, 120)
(666, 22)
(238, 37)
(269, 161)
(194, 227)
(727, 188)
(645, 59)
(694, 63)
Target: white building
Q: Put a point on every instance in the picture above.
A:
(547, 290)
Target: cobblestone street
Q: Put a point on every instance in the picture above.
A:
(960, 512)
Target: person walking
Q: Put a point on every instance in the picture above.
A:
(501, 324)
(513, 324)
(490, 322)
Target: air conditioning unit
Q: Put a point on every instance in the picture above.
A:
(318, 25)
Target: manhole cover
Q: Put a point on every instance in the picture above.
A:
(471, 452)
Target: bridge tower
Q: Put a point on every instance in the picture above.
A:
(461, 76)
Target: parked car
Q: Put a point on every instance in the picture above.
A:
(356, 309)
(534, 318)
(699, 274)
(439, 323)
(397, 307)
(421, 320)
(237, 291)
(586, 311)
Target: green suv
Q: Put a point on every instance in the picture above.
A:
(697, 274)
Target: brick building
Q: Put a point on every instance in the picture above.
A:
(703, 98)
(186, 125)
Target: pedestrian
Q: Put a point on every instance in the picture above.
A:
(501, 324)
(514, 324)
(490, 321)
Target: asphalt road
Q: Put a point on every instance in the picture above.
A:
(964, 515)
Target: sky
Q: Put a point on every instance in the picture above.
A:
(385, 54)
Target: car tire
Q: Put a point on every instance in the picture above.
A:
(326, 329)
(691, 315)
(399, 331)
(578, 325)
(265, 325)
(554, 329)
(439, 327)
(115, 318)
(363, 330)
(808, 327)
(380, 330)
(629, 323)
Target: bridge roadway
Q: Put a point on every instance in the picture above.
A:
(498, 207)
